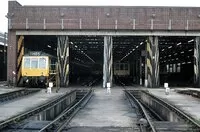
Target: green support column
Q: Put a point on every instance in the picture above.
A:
(108, 61)
(152, 62)
(63, 60)
(196, 62)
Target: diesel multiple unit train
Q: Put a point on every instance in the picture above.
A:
(36, 69)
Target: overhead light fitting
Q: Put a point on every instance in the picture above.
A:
(49, 46)
(190, 40)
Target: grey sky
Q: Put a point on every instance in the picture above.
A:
(4, 5)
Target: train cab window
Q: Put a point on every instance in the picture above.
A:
(34, 63)
(42, 63)
(27, 63)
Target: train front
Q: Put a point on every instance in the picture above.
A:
(35, 71)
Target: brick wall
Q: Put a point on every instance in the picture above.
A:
(91, 17)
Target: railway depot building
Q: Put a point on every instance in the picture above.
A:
(130, 45)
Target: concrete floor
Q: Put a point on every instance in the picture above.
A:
(106, 112)
(187, 103)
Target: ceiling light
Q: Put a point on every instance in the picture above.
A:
(170, 47)
(178, 44)
(190, 40)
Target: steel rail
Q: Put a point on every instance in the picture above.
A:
(143, 110)
(62, 120)
(86, 98)
(32, 112)
(193, 93)
(176, 110)
(15, 94)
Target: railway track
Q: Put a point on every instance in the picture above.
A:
(193, 93)
(155, 122)
(25, 115)
(62, 121)
(145, 122)
(16, 94)
(22, 122)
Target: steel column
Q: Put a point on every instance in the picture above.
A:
(20, 53)
(108, 61)
(140, 70)
(137, 71)
(152, 61)
(196, 62)
(63, 60)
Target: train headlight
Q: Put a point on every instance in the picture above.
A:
(27, 80)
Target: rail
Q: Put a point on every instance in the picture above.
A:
(143, 111)
(62, 120)
(180, 113)
(34, 111)
(15, 94)
(194, 93)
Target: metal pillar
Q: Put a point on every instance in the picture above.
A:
(196, 62)
(133, 67)
(137, 71)
(152, 62)
(63, 60)
(20, 53)
(108, 61)
(140, 70)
